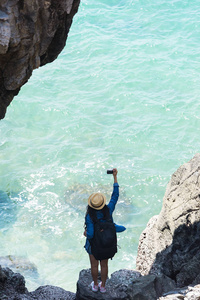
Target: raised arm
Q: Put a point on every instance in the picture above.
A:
(115, 175)
(115, 193)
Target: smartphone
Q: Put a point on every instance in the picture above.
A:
(109, 171)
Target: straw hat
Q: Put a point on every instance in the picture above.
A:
(97, 201)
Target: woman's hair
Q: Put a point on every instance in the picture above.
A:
(93, 213)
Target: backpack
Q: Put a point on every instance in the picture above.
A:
(104, 242)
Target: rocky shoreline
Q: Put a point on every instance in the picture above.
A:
(168, 261)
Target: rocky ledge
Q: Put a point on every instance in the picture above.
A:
(12, 287)
(168, 261)
(32, 34)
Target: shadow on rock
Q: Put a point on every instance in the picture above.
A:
(181, 260)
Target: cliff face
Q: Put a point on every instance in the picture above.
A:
(171, 242)
(32, 34)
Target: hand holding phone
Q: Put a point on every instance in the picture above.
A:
(109, 171)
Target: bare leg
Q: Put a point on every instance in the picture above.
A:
(104, 271)
(94, 268)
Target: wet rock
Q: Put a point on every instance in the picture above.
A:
(150, 287)
(170, 244)
(32, 34)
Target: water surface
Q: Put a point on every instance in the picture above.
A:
(123, 93)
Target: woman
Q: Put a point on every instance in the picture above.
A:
(97, 208)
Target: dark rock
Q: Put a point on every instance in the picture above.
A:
(51, 292)
(32, 34)
(126, 285)
(19, 264)
(12, 287)
(116, 286)
(2, 276)
(181, 260)
(150, 287)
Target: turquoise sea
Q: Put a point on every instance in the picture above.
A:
(123, 93)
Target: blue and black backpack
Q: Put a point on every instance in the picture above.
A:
(104, 242)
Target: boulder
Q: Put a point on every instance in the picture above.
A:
(32, 34)
(116, 286)
(150, 287)
(49, 292)
(170, 244)
(12, 287)
(125, 285)
(12, 284)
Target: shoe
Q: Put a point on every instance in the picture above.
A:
(102, 289)
(94, 287)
